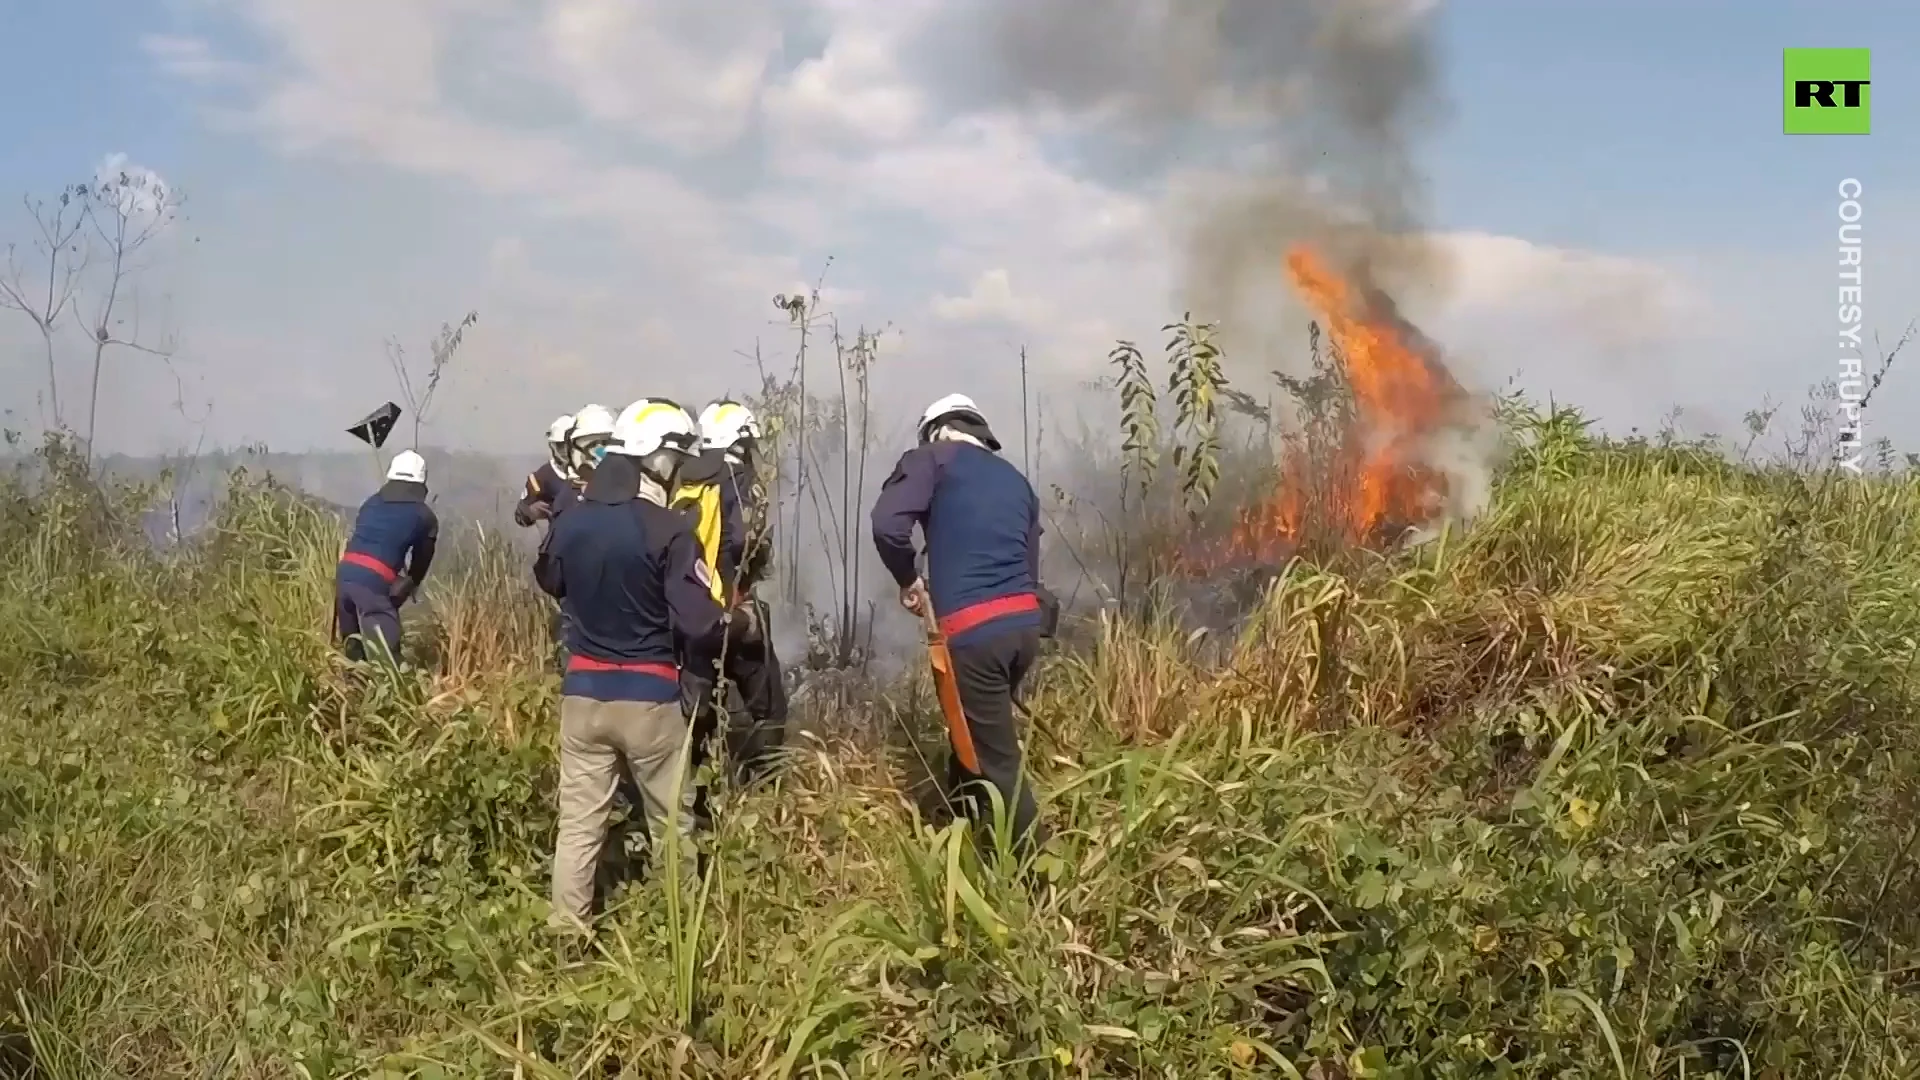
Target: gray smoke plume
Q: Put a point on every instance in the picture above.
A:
(1290, 120)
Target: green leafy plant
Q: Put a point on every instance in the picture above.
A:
(1195, 379)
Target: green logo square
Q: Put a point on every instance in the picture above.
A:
(1827, 91)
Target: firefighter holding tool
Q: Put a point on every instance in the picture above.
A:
(981, 597)
(386, 558)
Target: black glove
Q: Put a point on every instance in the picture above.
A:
(758, 560)
(745, 623)
(1049, 611)
(402, 589)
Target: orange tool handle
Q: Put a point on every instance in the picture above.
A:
(947, 687)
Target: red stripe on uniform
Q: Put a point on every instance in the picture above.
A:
(965, 619)
(587, 663)
(387, 573)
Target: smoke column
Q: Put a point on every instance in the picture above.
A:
(1286, 120)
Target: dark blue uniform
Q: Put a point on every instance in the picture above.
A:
(568, 494)
(545, 487)
(981, 520)
(563, 495)
(982, 525)
(386, 558)
(631, 576)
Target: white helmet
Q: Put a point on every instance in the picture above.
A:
(951, 405)
(408, 466)
(725, 424)
(557, 440)
(658, 433)
(592, 430)
(592, 422)
(652, 424)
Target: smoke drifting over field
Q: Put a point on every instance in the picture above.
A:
(1310, 112)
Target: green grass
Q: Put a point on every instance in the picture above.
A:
(1619, 782)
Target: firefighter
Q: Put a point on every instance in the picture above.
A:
(386, 558)
(546, 483)
(980, 520)
(588, 433)
(632, 574)
(727, 504)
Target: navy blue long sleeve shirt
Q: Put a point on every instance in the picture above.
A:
(544, 488)
(632, 578)
(981, 520)
(394, 533)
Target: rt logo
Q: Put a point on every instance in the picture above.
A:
(1827, 92)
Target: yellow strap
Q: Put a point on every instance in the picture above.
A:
(706, 528)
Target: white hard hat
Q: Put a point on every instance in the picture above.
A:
(651, 425)
(725, 423)
(408, 466)
(951, 405)
(558, 430)
(592, 422)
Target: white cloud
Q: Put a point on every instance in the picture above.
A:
(992, 298)
(1620, 300)
(190, 58)
(363, 78)
(855, 93)
(684, 72)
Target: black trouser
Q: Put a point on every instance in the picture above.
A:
(988, 672)
(756, 709)
(361, 615)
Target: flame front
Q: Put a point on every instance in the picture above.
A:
(1375, 478)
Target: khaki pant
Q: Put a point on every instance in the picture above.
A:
(594, 737)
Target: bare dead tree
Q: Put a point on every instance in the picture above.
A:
(1026, 417)
(178, 476)
(801, 311)
(417, 389)
(41, 287)
(855, 358)
(125, 212)
(181, 469)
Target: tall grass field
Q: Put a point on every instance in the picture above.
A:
(1619, 780)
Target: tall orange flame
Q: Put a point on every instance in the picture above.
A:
(1375, 479)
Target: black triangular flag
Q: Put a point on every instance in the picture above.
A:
(377, 426)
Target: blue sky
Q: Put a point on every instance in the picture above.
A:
(618, 192)
(1635, 125)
